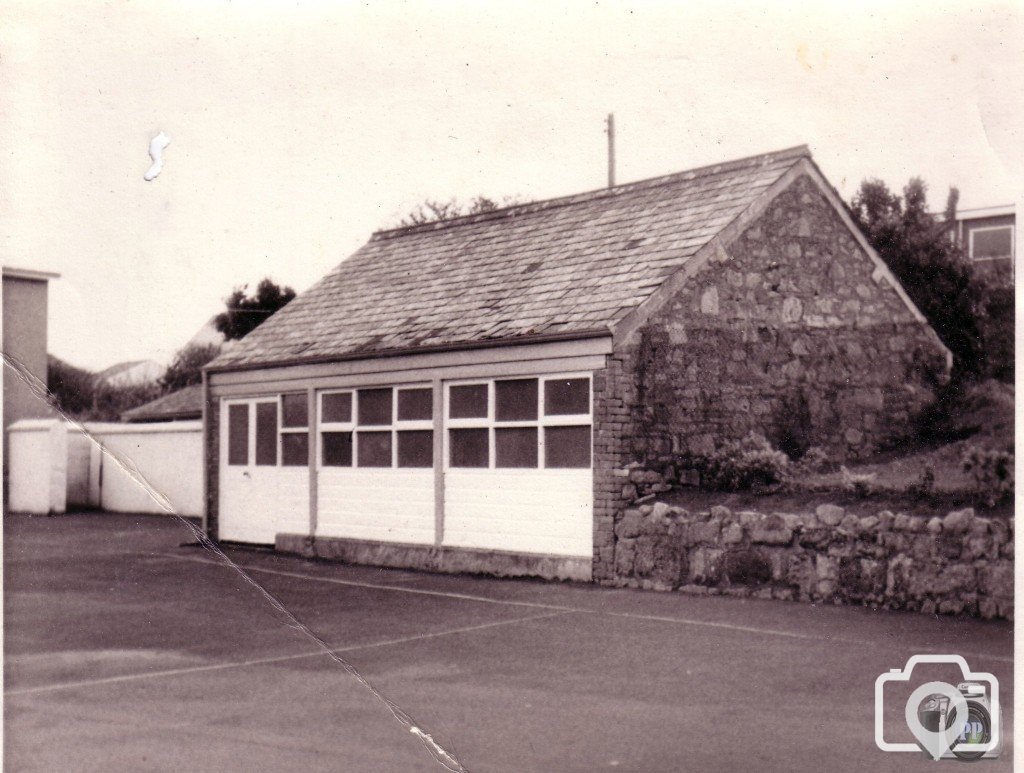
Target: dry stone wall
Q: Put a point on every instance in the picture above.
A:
(959, 564)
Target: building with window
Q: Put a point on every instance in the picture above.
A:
(988, 236)
(24, 304)
(486, 393)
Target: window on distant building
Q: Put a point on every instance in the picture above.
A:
(990, 242)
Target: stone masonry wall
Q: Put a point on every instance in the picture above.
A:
(952, 565)
(786, 332)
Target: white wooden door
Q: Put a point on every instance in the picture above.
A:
(518, 470)
(376, 478)
(264, 489)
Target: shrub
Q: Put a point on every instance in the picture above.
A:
(741, 466)
(815, 460)
(997, 327)
(925, 485)
(859, 484)
(71, 388)
(109, 402)
(992, 473)
(186, 368)
(964, 409)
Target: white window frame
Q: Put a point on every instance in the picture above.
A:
(970, 239)
(334, 426)
(283, 430)
(397, 425)
(490, 422)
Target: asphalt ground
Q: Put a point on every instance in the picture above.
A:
(126, 651)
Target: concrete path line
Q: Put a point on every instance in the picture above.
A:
(274, 659)
(922, 648)
(377, 586)
(631, 615)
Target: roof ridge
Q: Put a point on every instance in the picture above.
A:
(797, 151)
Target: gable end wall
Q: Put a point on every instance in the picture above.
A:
(791, 318)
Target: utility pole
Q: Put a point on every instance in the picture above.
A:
(610, 131)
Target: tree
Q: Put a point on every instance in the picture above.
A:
(109, 402)
(931, 267)
(72, 388)
(433, 210)
(187, 366)
(245, 313)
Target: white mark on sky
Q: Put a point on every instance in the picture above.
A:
(157, 145)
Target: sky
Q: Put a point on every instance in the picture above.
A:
(298, 128)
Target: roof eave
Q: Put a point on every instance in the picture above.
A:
(150, 418)
(542, 338)
(28, 273)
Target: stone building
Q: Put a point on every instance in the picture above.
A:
(468, 395)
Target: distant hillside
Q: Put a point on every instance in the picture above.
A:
(131, 373)
(85, 396)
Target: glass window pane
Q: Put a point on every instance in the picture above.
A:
(337, 407)
(374, 406)
(415, 404)
(337, 449)
(515, 447)
(238, 434)
(266, 434)
(294, 449)
(567, 447)
(996, 243)
(374, 449)
(468, 447)
(416, 448)
(295, 410)
(567, 396)
(468, 402)
(515, 400)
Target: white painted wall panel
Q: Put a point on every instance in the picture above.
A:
(79, 469)
(270, 500)
(37, 466)
(167, 455)
(529, 511)
(388, 505)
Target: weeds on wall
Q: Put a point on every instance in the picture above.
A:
(992, 473)
(750, 464)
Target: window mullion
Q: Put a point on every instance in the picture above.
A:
(492, 415)
(541, 461)
(280, 434)
(252, 434)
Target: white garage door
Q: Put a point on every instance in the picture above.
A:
(264, 468)
(518, 472)
(376, 458)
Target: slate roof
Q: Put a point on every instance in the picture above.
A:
(566, 266)
(186, 403)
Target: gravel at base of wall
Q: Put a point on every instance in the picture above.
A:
(959, 564)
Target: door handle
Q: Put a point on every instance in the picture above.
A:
(246, 474)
